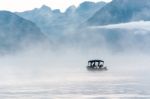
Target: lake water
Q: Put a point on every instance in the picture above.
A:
(79, 85)
(66, 77)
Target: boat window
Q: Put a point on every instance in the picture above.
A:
(96, 63)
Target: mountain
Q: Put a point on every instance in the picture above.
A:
(84, 11)
(119, 11)
(87, 9)
(45, 18)
(14, 31)
(55, 22)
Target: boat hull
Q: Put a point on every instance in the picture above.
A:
(97, 69)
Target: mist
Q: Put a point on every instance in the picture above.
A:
(39, 71)
(57, 68)
(135, 25)
(47, 56)
(66, 62)
(63, 59)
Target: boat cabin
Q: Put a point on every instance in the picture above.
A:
(96, 63)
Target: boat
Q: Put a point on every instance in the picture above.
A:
(96, 65)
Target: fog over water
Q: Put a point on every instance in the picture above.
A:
(44, 72)
(44, 53)
(41, 73)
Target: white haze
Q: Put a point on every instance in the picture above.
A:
(46, 62)
(41, 65)
(137, 25)
(44, 71)
(39, 72)
(56, 68)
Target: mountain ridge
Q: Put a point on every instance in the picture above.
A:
(14, 31)
(54, 21)
(119, 11)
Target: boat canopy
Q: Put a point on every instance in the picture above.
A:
(95, 61)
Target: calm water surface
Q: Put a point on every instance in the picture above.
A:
(79, 85)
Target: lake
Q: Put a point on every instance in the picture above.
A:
(78, 85)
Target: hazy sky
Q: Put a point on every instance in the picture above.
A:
(22, 5)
